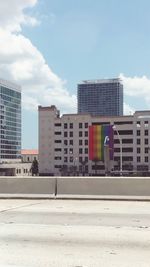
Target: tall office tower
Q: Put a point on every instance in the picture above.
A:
(101, 97)
(10, 121)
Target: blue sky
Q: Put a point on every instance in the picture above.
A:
(70, 41)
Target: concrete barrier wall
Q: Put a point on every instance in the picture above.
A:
(74, 186)
(27, 185)
(104, 186)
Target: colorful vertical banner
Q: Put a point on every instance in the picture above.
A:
(100, 135)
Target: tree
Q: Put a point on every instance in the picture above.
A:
(35, 167)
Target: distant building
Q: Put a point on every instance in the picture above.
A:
(20, 167)
(66, 145)
(28, 155)
(101, 97)
(10, 121)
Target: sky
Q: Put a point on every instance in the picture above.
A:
(49, 46)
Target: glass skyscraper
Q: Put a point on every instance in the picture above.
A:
(10, 121)
(101, 97)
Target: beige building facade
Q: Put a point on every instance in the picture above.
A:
(64, 143)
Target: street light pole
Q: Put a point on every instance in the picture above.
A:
(120, 141)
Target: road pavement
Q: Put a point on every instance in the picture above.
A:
(74, 233)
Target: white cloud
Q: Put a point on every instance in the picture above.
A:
(12, 14)
(22, 62)
(128, 110)
(138, 87)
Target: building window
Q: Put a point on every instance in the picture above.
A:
(86, 150)
(65, 159)
(57, 166)
(71, 151)
(66, 142)
(71, 159)
(146, 150)
(86, 134)
(80, 159)
(86, 142)
(138, 132)
(65, 125)
(58, 149)
(71, 134)
(65, 150)
(57, 133)
(86, 168)
(146, 141)
(57, 141)
(127, 149)
(65, 134)
(146, 159)
(71, 142)
(138, 159)
(124, 132)
(86, 124)
(80, 142)
(86, 159)
(127, 158)
(57, 124)
(80, 134)
(80, 150)
(57, 158)
(127, 141)
(71, 125)
(138, 150)
(146, 132)
(116, 149)
(80, 125)
(138, 141)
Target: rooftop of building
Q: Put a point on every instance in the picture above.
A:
(51, 108)
(10, 85)
(29, 152)
(140, 113)
(96, 81)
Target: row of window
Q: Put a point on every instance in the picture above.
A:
(10, 142)
(85, 125)
(130, 159)
(10, 156)
(10, 104)
(70, 134)
(130, 149)
(18, 171)
(10, 92)
(130, 141)
(9, 123)
(139, 132)
(70, 150)
(70, 125)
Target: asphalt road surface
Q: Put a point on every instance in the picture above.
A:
(74, 233)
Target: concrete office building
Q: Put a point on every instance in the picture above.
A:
(10, 121)
(101, 97)
(64, 142)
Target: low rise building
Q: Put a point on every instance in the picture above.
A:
(20, 167)
(28, 155)
(64, 143)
